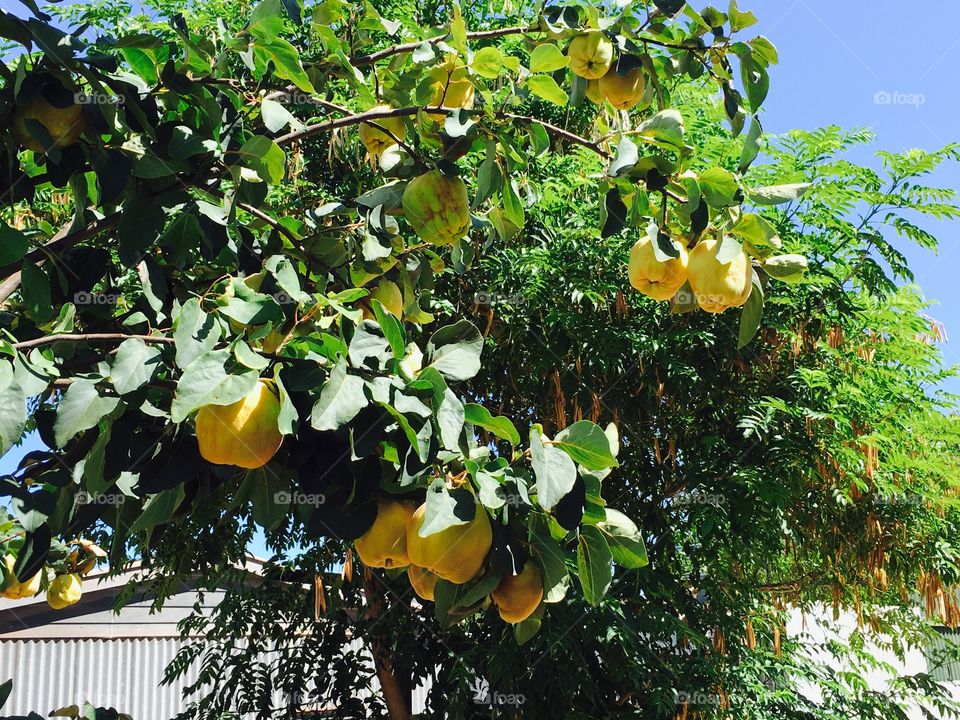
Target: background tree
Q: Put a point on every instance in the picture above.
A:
(222, 224)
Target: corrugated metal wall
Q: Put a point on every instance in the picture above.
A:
(119, 673)
(124, 674)
(948, 672)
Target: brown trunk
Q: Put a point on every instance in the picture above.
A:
(395, 693)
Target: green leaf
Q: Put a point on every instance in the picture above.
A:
(194, 332)
(544, 86)
(500, 426)
(526, 630)
(288, 419)
(134, 365)
(276, 117)
(269, 496)
(625, 159)
(786, 268)
(158, 509)
(286, 61)
(587, 444)
(5, 689)
(757, 231)
(35, 288)
(547, 58)
(454, 350)
(554, 471)
(368, 342)
(556, 578)
(729, 250)
(447, 508)
(665, 129)
(751, 145)
(212, 379)
(340, 400)
(265, 157)
(488, 62)
(752, 313)
(719, 187)
(778, 194)
(80, 408)
(13, 408)
(13, 244)
(594, 563)
(392, 329)
(249, 307)
(625, 540)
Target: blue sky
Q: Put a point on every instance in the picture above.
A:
(837, 59)
(840, 62)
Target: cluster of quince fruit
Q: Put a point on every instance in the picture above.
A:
(63, 589)
(456, 554)
(717, 283)
(620, 81)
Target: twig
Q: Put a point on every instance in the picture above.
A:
(89, 337)
(411, 46)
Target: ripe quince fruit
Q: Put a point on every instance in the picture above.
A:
(517, 596)
(422, 581)
(384, 544)
(455, 554)
(64, 590)
(437, 207)
(451, 88)
(64, 125)
(623, 91)
(718, 286)
(16, 590)
(376, 140)
(590, 54)
(244, 433)
(655, 279)
(593, 92)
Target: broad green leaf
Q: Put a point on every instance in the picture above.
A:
(500, 426)
(625, 159)
(13, 408)
(13, 244)
(158, 509)
(488, 62)
(454, 350)
(446, 508)
(719, 187)
(756, 231)
(340, 400)
(547, 58)
(134, 365)
(194, 332)
(778, 194)
(594, 563)
(265, 157)
(35, 289)
(625, 540)
(554, 470)
(214, 378)
(587, 444)
(544, 86)
(665, 129)
(556, 578)
(80, 408)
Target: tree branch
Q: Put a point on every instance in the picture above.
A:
(411, 46)
(561, 133)
(89, 337)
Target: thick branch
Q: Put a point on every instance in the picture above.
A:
(349, 120)
(411, 46)
(89, 337)
(561, 133)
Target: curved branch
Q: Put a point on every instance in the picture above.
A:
(561, 133)
(328, 125)
(89, 337)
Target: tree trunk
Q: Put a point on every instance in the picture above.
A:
(396, 694)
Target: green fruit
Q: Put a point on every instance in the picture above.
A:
(590, 54)
(437, 207)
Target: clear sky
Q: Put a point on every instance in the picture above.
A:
(889, 66)
(882, 64)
